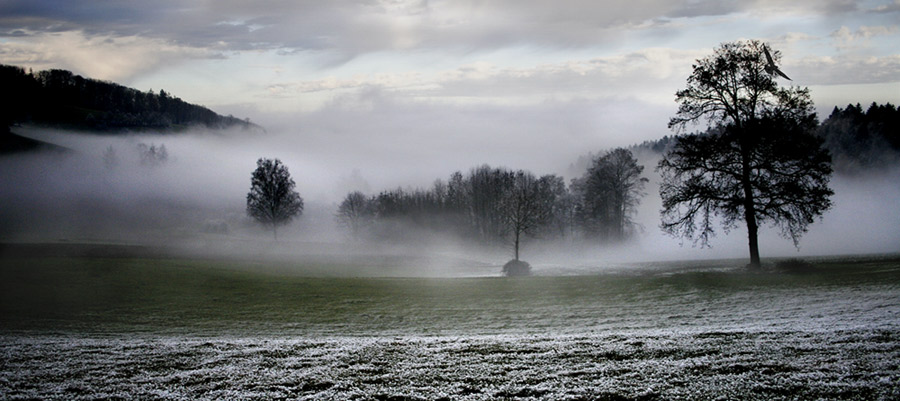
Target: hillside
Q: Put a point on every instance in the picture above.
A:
(62, 99)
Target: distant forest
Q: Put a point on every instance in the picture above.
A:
(61, 98)
(857, 139)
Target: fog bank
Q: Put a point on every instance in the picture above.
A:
(196, 196)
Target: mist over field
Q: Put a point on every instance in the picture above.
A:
(196, 197)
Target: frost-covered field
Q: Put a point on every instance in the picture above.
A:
(182, 330)
(839, 364)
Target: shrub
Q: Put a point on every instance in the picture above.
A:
(794, 265)
(517, 268)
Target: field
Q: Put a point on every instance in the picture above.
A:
(138, 325)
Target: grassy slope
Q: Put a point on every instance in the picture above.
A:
(189, 295)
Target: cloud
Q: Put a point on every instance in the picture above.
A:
(846, 39)
(640, 74)
(354, 27)
(96, 56)
(842, 70)
(803, 7)
(431, 51)
(887, 8)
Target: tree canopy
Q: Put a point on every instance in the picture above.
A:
(272, 200)
(609, 193)
(760, 162)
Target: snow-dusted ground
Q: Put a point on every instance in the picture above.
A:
(672, 335)
(831, 364)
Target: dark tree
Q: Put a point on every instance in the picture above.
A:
(355, 214)
(526, 206)
(272, 200)
(862, 140)
(486, 188)
(487, 207)
(562, 218)
(760, 163)
(609, 194)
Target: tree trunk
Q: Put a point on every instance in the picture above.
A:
(749, 202)
(517, 245)
(752, 230)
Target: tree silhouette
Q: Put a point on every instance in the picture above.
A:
(609, 193)
(526, 206)
(759, 163)
(272, 200)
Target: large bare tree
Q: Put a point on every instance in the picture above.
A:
(758, 162)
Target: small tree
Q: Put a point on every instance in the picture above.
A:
(759, 163)
(272, 200)
(527, 206)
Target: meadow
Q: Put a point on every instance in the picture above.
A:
(147, 326)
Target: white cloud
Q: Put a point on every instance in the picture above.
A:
(649, 74)
(844, 38)
(99, 56)
(842, 70)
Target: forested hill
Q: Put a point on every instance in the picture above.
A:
(61, 98)
(857, 138)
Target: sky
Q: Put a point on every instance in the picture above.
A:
(523, 83)
(263, 57)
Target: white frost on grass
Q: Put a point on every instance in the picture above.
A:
(843, 364)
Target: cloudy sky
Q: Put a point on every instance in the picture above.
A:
(468, 77)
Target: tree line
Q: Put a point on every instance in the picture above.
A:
(495, 206)
(59, 97)
(857, 138)
(860, 139)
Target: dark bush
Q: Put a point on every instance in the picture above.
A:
(517, 268)
(794, 265)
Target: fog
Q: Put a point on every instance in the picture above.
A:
(195, 199)
(863, 219)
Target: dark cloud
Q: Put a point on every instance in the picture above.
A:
(18, 33)
(702, 8)
(358, 27)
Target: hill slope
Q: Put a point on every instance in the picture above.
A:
(61, 98)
